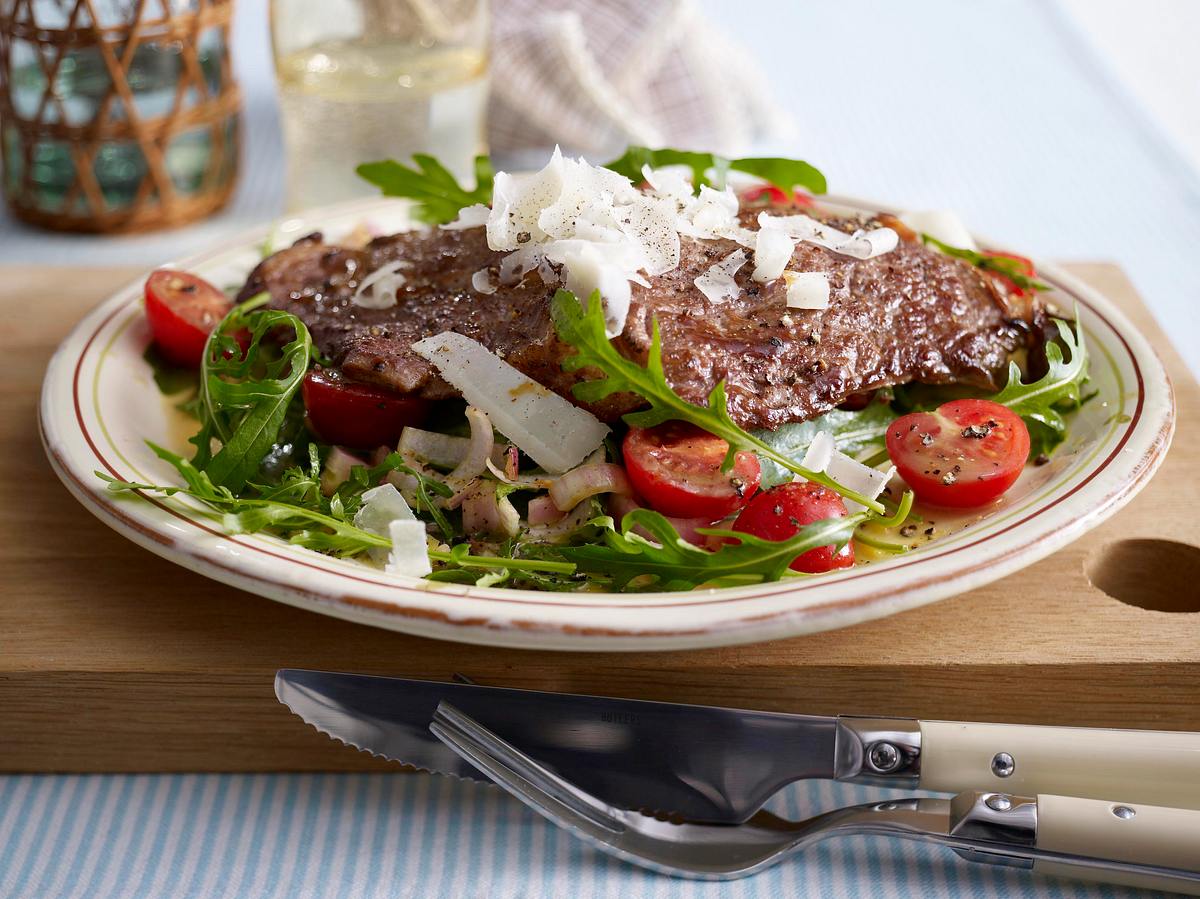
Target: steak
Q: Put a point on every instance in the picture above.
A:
(909, 315)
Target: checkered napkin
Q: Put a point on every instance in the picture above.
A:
(596, 75)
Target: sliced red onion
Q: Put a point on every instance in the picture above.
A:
(486, 514)
(442, 450)
(554, 433)
(532, 481)
(437, 449)
(512, 462)
(562, 530)
(407, 484)
(410, 553)
(572, 488)
(383, 282)
(543, 511)
(479, 450)
(336, 470)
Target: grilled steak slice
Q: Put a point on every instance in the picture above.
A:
(909, 315)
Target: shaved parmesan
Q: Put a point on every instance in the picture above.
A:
(712, 214)
(469, 217)
(772, 252)
(383, 284)
(481, 282)
(819, 452)
(717, 283)
(857, 477)
(669, 181)
(590, 228)
(823, 456)
(380, 507)
(860, 244)
(941, 224)
(807, 290)
(410, 553)
(589, 269)
(554, 433)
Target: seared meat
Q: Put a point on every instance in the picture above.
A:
(909, 315)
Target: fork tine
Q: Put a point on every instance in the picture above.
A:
(520, 775)
(702, 851)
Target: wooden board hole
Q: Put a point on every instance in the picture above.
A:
(1161, 575)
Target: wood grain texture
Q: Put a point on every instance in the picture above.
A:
(112, 659)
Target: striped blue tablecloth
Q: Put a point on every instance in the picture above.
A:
(408, 836)
(996, 108)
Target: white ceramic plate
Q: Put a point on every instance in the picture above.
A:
(99, 405)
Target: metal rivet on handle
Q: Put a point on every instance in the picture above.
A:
(998, 802)
(1003, 764)
(883, 757)
(1123, 811)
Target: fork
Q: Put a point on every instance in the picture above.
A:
(1050, 834)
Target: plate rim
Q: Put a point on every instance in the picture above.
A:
(789, 620)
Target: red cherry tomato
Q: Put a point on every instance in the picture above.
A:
(676, 468)
(1024, 265)
(769, 194)
(182, 310)
(780, 512)
(361, 416)
(964, 454)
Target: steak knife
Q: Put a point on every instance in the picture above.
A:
(721, 765)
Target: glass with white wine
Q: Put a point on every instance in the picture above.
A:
(363, 80)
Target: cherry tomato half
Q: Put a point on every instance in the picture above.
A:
(676, 468)
(780, 512)
(964, 454)
(769, 194)
(361, 416)
(182, 310)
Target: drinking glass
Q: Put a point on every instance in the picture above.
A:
(364, 80)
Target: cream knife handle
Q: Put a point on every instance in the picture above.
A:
(1123, 832)
(1157, 767)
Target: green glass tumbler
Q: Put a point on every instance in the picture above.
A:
(117, 115)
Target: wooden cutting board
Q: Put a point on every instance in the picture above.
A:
(112, 659)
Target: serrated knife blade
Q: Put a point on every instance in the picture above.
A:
(701, 762)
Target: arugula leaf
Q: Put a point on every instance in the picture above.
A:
(584, 330)
(1042, 402)
(665, 561)
(245, 393)
(461, 556)
(786, 174)
(438, 194)
(1009, 268)
(853, 432)
(304, 524)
